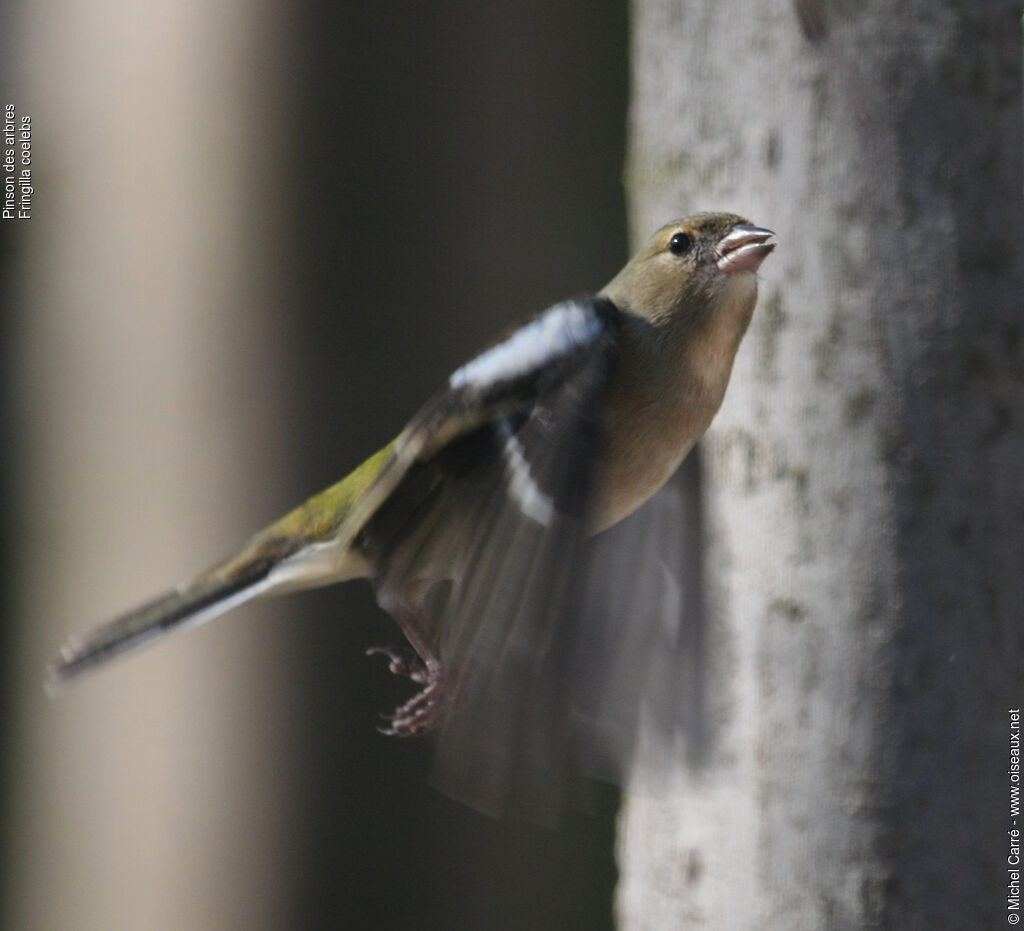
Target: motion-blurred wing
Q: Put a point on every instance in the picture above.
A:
(563, 648)
(508, 635)
(642, 648)
(551, 644)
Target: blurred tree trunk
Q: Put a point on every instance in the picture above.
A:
(863, 500)
(152, 796)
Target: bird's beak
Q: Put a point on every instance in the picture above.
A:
(744, 249)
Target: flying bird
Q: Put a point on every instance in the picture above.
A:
(477, 525)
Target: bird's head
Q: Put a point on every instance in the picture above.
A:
(692, 264)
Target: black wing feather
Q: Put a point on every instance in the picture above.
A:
(506, 503)
(510, 631)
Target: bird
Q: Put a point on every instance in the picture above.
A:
(475, 524)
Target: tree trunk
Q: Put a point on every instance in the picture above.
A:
(863, 501)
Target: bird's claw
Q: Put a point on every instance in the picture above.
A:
(419, 714)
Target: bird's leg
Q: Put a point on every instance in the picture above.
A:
(423, 665)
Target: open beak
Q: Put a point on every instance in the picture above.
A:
(744, 249)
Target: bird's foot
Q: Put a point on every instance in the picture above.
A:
(422, 664)
(424, 711)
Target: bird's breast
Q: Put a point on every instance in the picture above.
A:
(644, 440)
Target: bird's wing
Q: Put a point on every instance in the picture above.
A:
(563, 648)
(502, 467)
(501, 383)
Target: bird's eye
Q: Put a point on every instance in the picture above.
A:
(680, 243)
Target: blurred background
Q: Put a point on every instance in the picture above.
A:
(261, 235)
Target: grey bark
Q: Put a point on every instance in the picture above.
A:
(863, 495)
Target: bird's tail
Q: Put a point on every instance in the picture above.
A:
(202, 599)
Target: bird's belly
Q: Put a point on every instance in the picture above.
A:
(626, 480)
